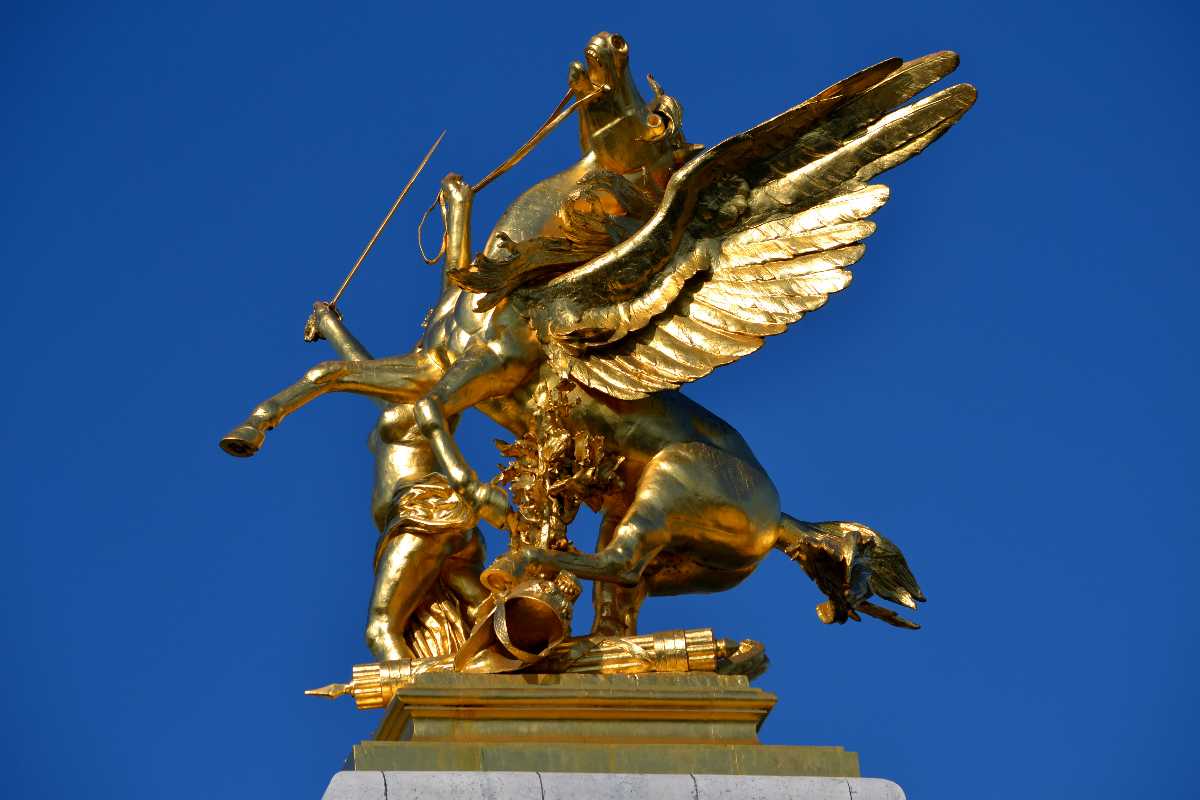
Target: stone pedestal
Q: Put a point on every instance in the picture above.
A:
(600, 786)
(540, 736)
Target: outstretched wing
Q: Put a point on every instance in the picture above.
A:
(750, 236)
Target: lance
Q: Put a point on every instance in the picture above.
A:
(560, 113)
(388, 218)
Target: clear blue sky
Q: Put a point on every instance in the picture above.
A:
(1008, 390)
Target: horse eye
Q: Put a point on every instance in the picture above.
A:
(618, 42)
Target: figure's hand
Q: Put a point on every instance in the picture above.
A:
(456, 189)
(491, 501)
(312, 328)
(577, 79)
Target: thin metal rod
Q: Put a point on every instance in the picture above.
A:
(386, 220)
(550, 124)
(560, 113)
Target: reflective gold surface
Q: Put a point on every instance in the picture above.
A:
(374, 685)
(651, 723)
(692, 707)
(643, 266)
(429, 553)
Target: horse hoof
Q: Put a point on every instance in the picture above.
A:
(243, 441)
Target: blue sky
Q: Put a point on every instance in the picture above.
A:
(1008, 390)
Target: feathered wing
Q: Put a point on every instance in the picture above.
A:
(750, 236)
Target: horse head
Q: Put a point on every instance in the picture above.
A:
(626, 133)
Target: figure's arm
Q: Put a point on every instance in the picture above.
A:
(490, 368)
(457, 198)
(326, 321)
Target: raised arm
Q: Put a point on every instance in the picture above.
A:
(497, 361)
(457, 199)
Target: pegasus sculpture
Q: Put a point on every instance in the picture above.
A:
(644, 266)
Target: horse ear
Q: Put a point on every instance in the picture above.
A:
(654, 85)
(666, 107)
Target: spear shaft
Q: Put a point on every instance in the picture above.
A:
(350, 276)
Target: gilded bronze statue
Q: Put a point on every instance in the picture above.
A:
(603, 289)
(430, 553)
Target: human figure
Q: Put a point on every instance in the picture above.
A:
(430, 553)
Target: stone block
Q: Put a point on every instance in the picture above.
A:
(600, 786)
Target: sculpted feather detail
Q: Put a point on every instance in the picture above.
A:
(642, 266)
(750, 236)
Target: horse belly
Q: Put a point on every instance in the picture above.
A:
(716, 513)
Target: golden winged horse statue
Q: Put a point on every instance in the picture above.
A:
(644, 266)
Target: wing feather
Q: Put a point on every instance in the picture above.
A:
(763, 258)
(660, 342)
(662, 357)
(751, 236)
(822, 178)
(803, 290)
(646, 372)
(903, 154)
(900, 86)
(626, 383)
(753, 323)
(747, 275)
(650, 361)
(849, 207)
(718, 346)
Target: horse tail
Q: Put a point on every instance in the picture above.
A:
(849, 562)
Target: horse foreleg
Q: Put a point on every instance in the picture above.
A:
(717, 513)
(401, 379)
(487, 369)
(639, 537)
(615, 606)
